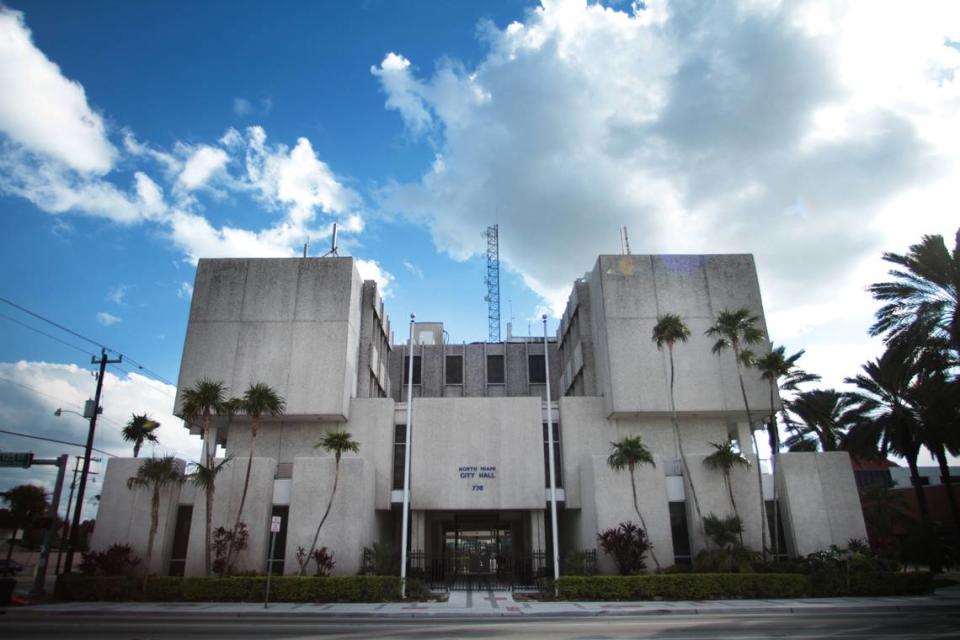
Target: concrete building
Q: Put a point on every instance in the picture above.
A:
(319, 335)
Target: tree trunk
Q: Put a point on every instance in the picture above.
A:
(948, 483)
(136, 450)
(733, 503)
(209, 489)
(753, 437)
(928, 529)
(13, 539)
(683, 457)
(316, 536)
(154, 520)
(232, 550)
(773, 436)
(636, 507)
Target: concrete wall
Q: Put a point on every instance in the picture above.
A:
(714, 499)
(291, 323)
(505, 433)
(819, 501)
(351, 524)
(627, 293)
(256, 514)
(123, 516)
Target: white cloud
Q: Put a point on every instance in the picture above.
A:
(242, 107)
(203, 164)
(701, 128)
(43, 111)
(371, 270)
(107, 319)
(46, 387)
(414, 269)
(118, 294)
(185, 291)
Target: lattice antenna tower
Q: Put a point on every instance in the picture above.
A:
(493, 283)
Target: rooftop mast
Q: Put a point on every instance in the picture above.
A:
(493, 283)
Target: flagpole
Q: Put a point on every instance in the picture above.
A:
(553, 484)
(406, 468)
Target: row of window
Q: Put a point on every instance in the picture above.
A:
(496, 373)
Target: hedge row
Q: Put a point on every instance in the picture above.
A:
(234, 589)
(707, 586)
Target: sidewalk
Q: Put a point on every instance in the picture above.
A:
(478, 604)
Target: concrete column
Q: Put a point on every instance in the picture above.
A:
(418, 530)
(538, 530)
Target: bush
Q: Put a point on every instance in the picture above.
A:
(735, 559)
(232, 589)
(627, 544)
(117, 560)
(379, 560)
(695, 586)
(579, 563)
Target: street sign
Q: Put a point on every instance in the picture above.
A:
(275, 524)
(9, 459)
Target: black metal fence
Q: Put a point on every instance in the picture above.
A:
(466, 571)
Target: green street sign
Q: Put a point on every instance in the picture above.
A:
(8, 459)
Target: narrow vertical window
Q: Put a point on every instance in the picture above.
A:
(680, 532)
(399, 454)
(406, 369)
(454, 365)
(557, 470)
(495, 370)
(537, 367)
(280, 547)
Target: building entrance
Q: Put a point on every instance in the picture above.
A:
(478, 550)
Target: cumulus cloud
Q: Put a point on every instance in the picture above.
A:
(204, 163)
(787, 130)
(43, 111)
(185, 291)
(30, 392)
(371, 270)
(107, 319)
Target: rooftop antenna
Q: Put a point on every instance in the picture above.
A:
(624, 240)
(333, 243)
(493, 283)
(305, 245)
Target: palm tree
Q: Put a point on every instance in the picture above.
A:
(204, 399)
(335, 442)
(782, 374)
(27, 503)
(724, 458)
(258, 400)
(138, 430)
(821, 418)
(891, 422)
(204, 477)
(628, 453)
(926, 287)
(669, 330)
(155, 474)
(737, 330)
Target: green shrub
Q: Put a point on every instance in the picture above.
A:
(707, 586)
(234, 589)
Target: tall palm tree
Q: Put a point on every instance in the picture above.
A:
(821, 418)
(258, 400)
(155, 474)
(204, 399)
(782, 374)
(669, 330)
(737, 330)
(724, 458)
(335, 442)
(140, 429)
(926, 286)
(892, 423)
(628, 453)
(204, 477)
(26, 503)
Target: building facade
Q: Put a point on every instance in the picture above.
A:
(318, 334)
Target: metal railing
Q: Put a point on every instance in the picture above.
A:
(469, 571)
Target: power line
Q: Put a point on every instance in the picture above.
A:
(139, 365)
(72, 444)
(59, 400)
(44, 333)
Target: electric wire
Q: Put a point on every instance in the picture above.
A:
(72, 444)
(52, 337)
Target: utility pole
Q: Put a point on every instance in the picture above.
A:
(65, 533)
(78, 508)
(41, 577)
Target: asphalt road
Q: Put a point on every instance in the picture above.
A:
(915, 625)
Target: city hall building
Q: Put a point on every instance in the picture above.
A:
(479, 479)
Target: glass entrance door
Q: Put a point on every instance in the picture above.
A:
(478, 548)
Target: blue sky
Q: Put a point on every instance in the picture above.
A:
(138, 137)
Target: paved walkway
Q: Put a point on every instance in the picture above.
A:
(466, 604)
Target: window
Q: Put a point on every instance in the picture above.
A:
(557, 471)
(494, 369)
(399, 453)
(681, 535)
(406, 369)
(781, 538)
(181, 536)
(454, 367)
(537, 367)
